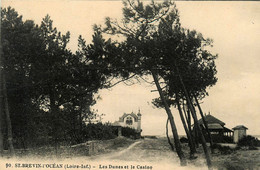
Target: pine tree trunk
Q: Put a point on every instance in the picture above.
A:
(8, 120)
(54, 118)
(174, 129)
(188, 120)
(203, 141)
(192, 147)
(205, 123)
(56, 129)
(187, 116)
(167, 135)
(80, 121)
(1, 93)
(196, 138)
(193, 113)
(196, 125)
(1, 117)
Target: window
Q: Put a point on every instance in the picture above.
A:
(214, 133)
(129, 121)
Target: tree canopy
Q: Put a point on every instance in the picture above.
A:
(50, 89)
(155, 43)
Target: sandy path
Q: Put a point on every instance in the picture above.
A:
(114, 154)
(147, 152)
(124, 151)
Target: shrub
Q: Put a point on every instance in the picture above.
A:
(227, 139)
(130, 133)
(232, 166)
(184, 140)
(252, 148)
(222, 149)
(249, 141)
(99, 131)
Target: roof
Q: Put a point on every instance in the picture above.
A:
(121, 119)
(211, 120)
(116, 123)
(215, 126)
(239, 127)
(227, 130)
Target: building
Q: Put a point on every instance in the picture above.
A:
(130, 120)
(217, 129)
(239, 132)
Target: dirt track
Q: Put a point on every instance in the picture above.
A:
(153, 152)
(156, 152)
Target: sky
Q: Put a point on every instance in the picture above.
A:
(234, 28)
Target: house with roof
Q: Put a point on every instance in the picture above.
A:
(217, 129)
(239, 132)
(130, 120)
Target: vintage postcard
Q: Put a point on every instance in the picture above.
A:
(111, 84)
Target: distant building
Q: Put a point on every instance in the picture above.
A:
(130, 120)
(239, 132)
(217, 129)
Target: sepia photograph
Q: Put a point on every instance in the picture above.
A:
(129, 84)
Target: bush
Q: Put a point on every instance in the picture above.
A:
(223, 149)
(184, 140)
(150, 137)
(232, 166)
(130, 133)
(227, 139)
(249, 141)
(252, 148)
(99, 131)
